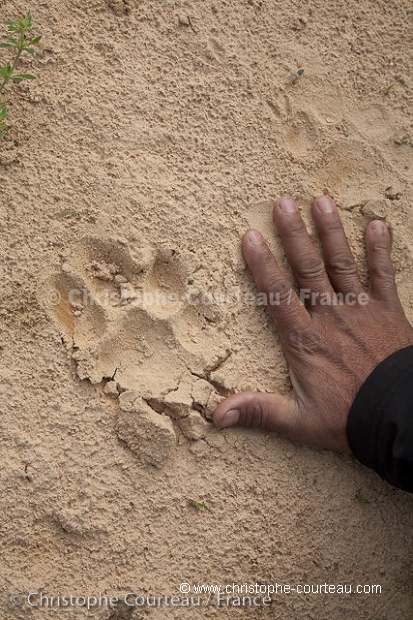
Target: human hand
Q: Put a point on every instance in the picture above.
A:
(330, 348)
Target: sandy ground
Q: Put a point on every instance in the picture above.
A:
(155, 134)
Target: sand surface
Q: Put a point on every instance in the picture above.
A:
(156, 133)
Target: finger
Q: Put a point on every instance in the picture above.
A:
(283, 303)
(339, 262)
(306, 263)
(381, 271)
(257, 409)
(280, 414)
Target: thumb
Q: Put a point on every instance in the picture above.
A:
(257, 409)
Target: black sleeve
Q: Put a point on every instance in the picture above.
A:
(380, 422)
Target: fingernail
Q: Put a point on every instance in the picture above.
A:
(230, 418)
(378, 227)
(287, 205)
(254, 237)
(324, 204)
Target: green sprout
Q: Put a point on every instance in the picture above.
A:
(360, 497)
(198, 505)
(3, 114)
(400, 140)
(18, 29)
(294, 76)
(388, 89)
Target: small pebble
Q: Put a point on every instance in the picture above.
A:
(111, 389)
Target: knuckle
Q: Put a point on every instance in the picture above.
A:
(280, 286)
(310, 267)
(334, 225)
(381, 247)
(304, 341)
(267, 259)
(255, 415)
(296, 226)
(342, 265)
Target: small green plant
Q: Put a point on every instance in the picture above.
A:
(18, 30)
(360, 497)
(198, 505)
(388, 89)
(294, 76)
(400, 140)
(3, 114)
